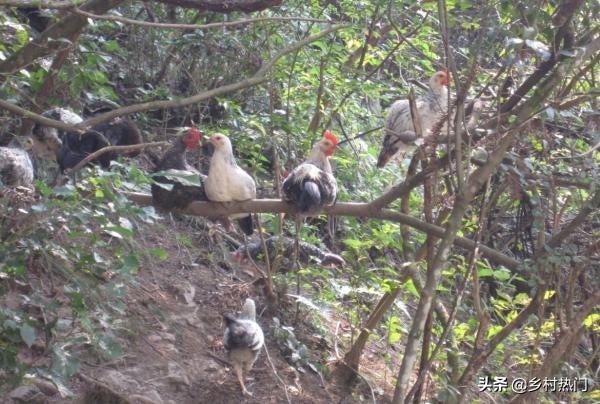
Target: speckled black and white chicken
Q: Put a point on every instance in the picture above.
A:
(243, 339)
(400, 135)
(311, 185)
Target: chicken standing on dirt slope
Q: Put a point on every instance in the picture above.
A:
(311, 185)
(243, 340)
(16, 168)
(180, 195)
(227, 182)
(400, 134)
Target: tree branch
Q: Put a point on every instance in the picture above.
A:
(354, 209)
(224, 6)
(223, 24)
(259, 77)
(120, 149)
(39, 118)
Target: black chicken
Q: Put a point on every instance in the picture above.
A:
(180, 195)
(243, 340)
(70, 148)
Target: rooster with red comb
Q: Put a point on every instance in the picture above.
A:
(311, 185)
(169, 193)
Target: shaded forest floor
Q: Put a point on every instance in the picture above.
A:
(172, 339)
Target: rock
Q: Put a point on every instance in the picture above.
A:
(168, 337)
(149, 397)
(177, 374)
(46, 387)
(119, 381)
(27, 395)
(185, 291)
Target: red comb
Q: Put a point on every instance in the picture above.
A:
(331, 137)
(195, 132)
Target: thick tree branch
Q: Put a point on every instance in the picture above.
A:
(223, 24)
(215, 209)
(38, 118)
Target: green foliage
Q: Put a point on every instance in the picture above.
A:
(83, 234)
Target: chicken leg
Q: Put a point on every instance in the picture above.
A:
(237, 368)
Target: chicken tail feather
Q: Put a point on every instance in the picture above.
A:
(249, 309)
(310, 198)
(246, 225)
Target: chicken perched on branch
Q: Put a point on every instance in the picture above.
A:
(243, 340)
(179, 195)
(227, 182)
(311, 185)
(400, 133)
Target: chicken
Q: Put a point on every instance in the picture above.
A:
(180, 195)
(311, 185)
(243, 340)
(16, 168)
(283, 248)
(227, 182)
(68, 149)
(400, 135)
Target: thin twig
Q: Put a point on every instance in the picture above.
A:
(277, 375)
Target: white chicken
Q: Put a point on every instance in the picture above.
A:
(243, 340)
(400, 135)
(227, 182)
(311, 185)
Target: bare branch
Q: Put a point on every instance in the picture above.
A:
(354, 209)
(191, 26)
(120, 149)
(259, 77)
(38, 118)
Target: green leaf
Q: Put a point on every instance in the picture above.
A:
(181, 176)
(27, 334)
(159, 253)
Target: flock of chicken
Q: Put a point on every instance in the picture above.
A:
(310, 186)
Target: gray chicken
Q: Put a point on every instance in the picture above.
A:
(400, 136)
(243, 340)
(16, 168)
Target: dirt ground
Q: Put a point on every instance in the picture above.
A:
(172, 350)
